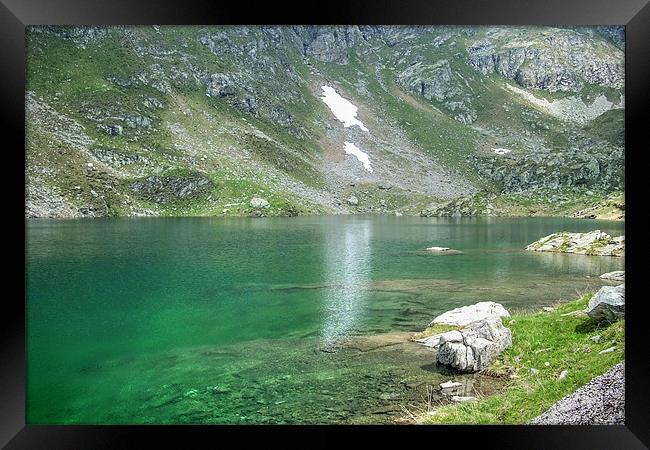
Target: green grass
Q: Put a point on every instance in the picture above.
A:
(558, 338)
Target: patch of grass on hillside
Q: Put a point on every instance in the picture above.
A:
(548, 202)
(561, 338)
(609, 126)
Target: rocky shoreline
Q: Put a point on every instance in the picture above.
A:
(470, 338)
(596, 243)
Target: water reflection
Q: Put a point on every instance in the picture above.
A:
(347, 266)
(579, 264)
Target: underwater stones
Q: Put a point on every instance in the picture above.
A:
(591, 243)
(466, 314)
(608, 304)
(476, 346)
(450, 385)
(617, 275)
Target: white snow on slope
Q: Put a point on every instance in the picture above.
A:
(344, 111)
(352, 149)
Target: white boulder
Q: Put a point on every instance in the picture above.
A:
(476, 346)
(468, 314)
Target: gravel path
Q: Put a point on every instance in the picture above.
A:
(601, 402)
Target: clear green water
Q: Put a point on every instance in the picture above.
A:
(212, 320)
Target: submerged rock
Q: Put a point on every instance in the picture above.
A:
(592, 243)
(443, 251)
(608, 305)
(617, 275)
(467, 314)
(450, 385)
(475, 347)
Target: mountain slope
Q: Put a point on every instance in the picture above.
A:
(176, 120)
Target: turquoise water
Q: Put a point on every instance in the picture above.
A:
(214, 320)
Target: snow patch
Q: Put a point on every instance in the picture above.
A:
(344, 111)
(352, 149)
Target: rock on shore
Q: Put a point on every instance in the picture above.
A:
(591, 243)
(466, 314)
(608, 304)
(475, 347)
(463, 316)
(599, 402)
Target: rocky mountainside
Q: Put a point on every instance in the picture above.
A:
(286, 120)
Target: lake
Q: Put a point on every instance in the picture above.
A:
(268, 320)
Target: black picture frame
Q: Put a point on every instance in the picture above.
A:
(15, 15)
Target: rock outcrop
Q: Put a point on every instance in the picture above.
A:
(476, 346)
(436, 82)
(547, 65)
(592, 243)
(617, 275)
(608, 304)
(168, 188)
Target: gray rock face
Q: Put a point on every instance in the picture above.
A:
(114, 130)
(429, 81)
(475, 347)
(163, 189)
(617, 275)
(138, 122)
(258, 202)
(601, 167)
(436, 82)
(221, 85)
(592, 243)
(467, 314)
(548, 65)
(608, 304)
(599, 402)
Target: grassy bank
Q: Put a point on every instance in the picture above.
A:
(549, 342)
